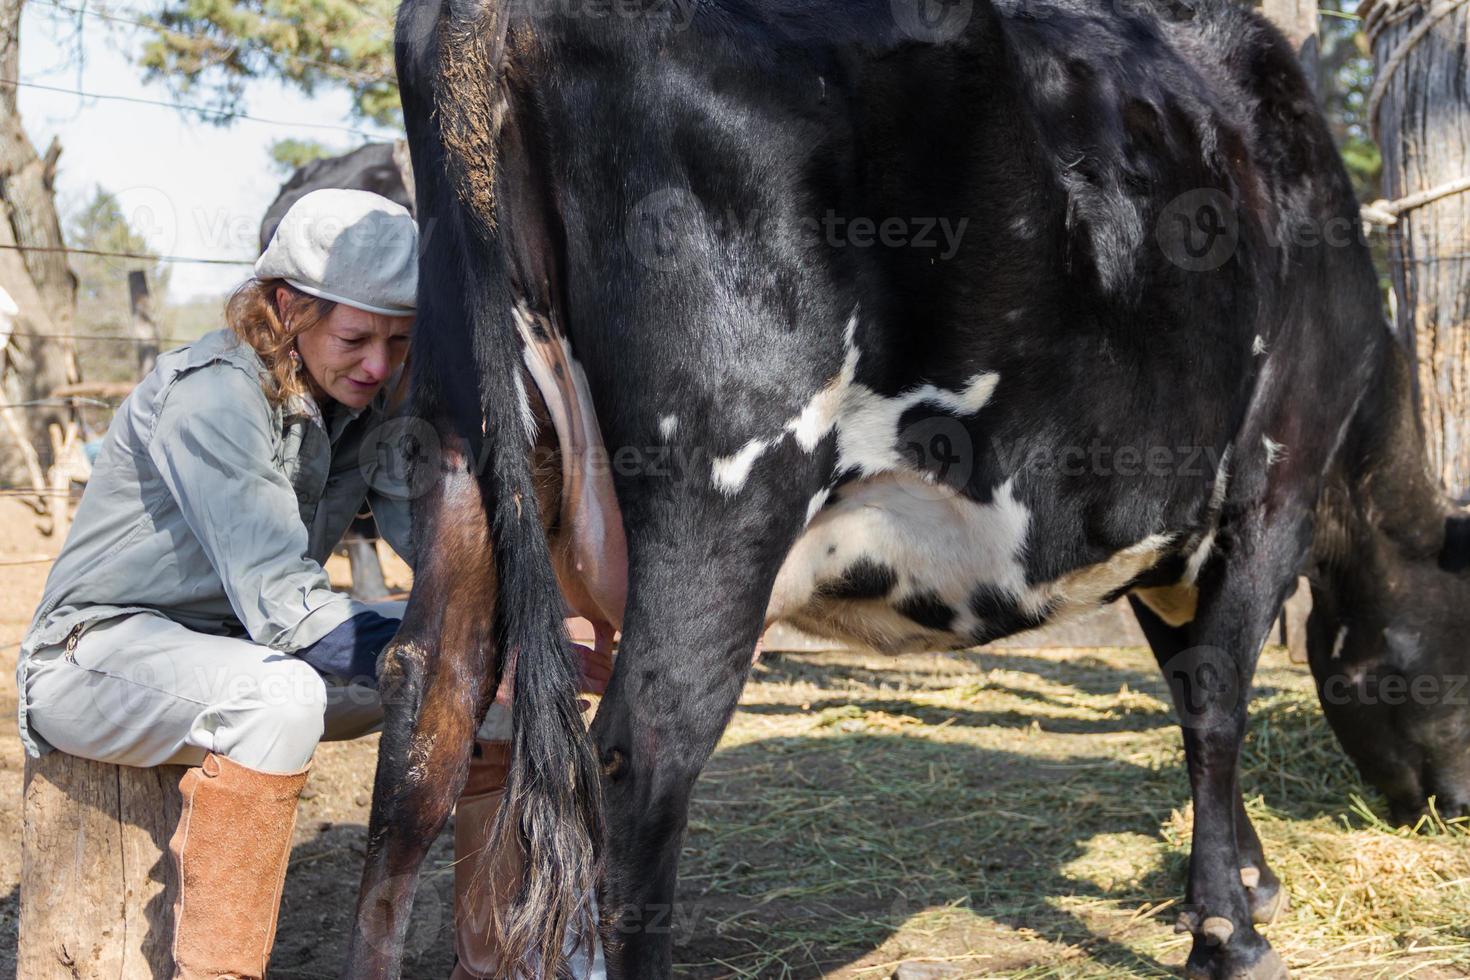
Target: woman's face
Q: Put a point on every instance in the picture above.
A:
(351, 353)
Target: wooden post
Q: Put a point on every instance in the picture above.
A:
(1422, 110)
(96, 887)
(63, 446)
(1297, 19)
(368, 583)
(145, 329)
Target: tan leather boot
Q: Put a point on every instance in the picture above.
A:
(482, 879)
(230, 853)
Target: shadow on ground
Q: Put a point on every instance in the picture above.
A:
(319, 903)
(807, 854)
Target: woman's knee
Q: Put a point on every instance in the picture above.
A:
(275, 722)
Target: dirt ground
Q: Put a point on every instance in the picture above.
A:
(1017, 814)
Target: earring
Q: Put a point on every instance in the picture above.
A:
(295, 359)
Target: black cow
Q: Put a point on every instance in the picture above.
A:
(915, 325)
(370, 167)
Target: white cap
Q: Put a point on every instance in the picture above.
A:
(351, 247)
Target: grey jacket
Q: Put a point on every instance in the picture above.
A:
(214, 508)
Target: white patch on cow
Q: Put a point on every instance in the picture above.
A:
(867, 431)
(668, 426)
(1338, 642)
(866, 422)
(809, 426)
(818, 501)
(730, 472)
(1275, 451)
(1206, 545)
(936, 541)
(523, 406)
(941, 547)
(818, 416)
(1258, 346)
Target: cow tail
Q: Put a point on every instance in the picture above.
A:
(552, 813)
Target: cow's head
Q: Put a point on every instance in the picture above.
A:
(1389, 634)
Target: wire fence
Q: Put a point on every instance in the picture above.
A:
(112, 337)
(187, 107)
(341, 72)
(140, 256)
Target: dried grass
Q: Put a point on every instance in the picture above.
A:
(1025, 815)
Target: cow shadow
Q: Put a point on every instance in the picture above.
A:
(832, 844)
(807, 853)
(319, 903)
(824, 855)
(9, 933)
(1080, 675)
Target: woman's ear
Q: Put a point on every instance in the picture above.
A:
(282, 299)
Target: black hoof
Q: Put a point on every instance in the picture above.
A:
(1267, 897)
(1234, 961)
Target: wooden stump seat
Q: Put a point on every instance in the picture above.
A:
(96, 887)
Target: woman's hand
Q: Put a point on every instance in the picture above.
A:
(597, 668)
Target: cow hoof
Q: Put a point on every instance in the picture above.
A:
(1267, 898)
(1237, 960)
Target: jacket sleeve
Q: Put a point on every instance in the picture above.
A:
(395, 523)
(387, 462)
(213, 447)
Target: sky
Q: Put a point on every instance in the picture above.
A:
(190, 188)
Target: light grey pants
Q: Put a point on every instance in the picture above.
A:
(143, 691)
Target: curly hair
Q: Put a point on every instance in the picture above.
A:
(271, 330)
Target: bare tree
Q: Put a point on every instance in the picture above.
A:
(33, 267)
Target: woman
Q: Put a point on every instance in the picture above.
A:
(188, 618)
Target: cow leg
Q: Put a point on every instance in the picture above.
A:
(696, 610)
(438, 678)
(1263, 889)
(1241, 594)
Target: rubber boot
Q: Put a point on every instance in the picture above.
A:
(229, 854)
(482, 879)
